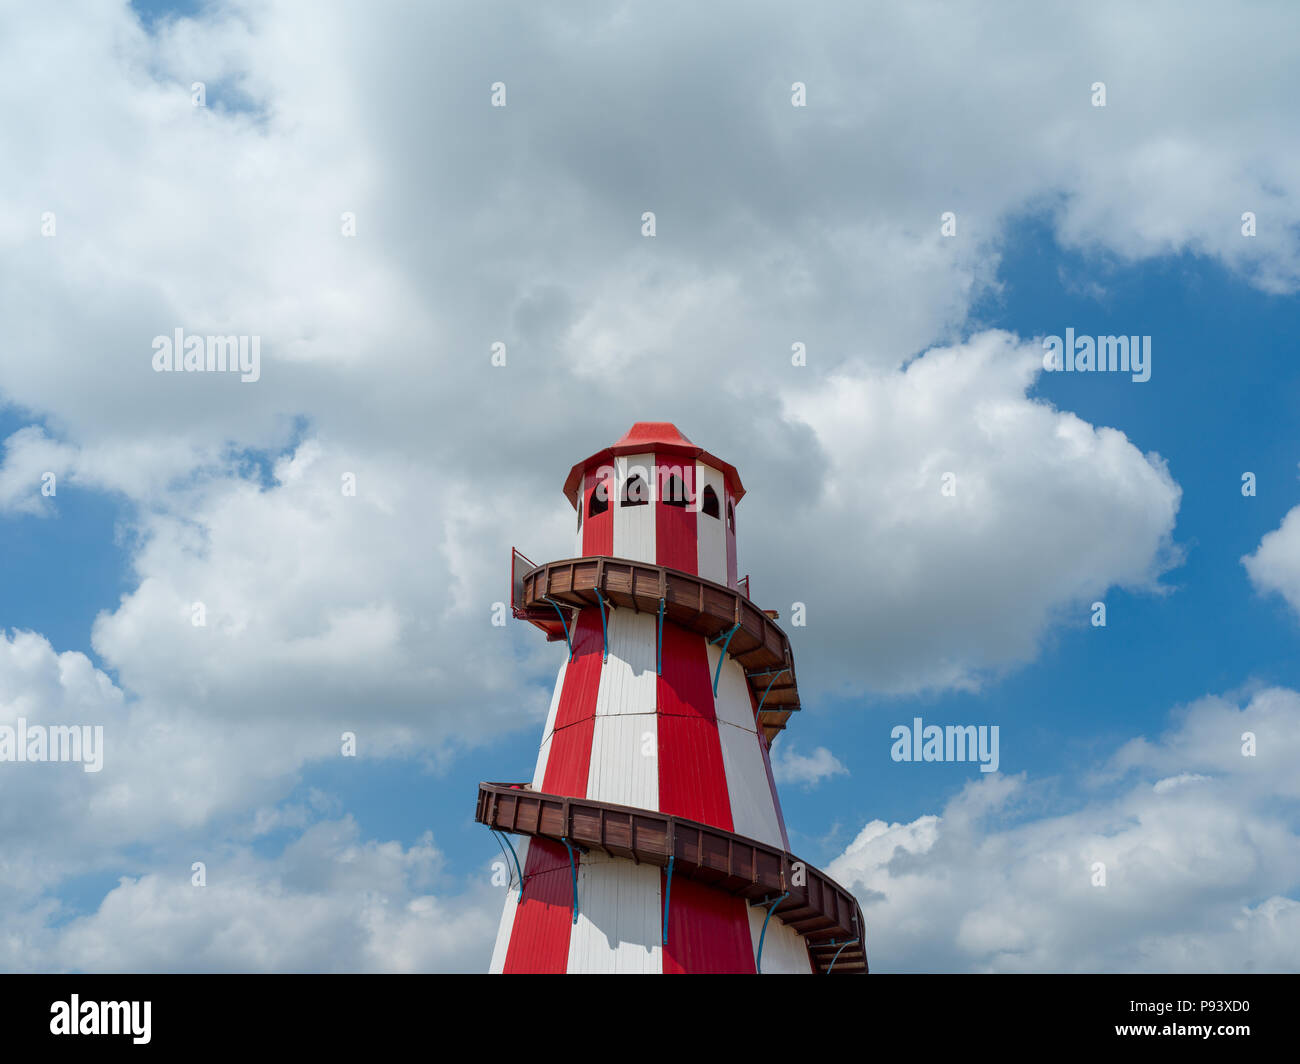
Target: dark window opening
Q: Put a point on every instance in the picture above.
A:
(599, 500)
(675, 492)
(636, 492)
(731, 517)
(709, 504)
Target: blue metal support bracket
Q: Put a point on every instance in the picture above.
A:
(659, 645)
(850, 942)
(567, 640)
(758, 960)
(668, 895)
(573, 869)
(717, 675)
(604, 628)
(502, 835)
(770, 682)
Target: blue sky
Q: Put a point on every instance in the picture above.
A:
(325, 617)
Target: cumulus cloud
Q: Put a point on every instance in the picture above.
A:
(805, 770)
(967, 517)
(1198, 842)
(331, 902)
(1275, 564)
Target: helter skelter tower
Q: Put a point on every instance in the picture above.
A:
(650, 838)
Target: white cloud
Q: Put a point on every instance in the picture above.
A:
(330, 903)
(909, 588)
(1275, 565)
(1202, 868)
(804, 770)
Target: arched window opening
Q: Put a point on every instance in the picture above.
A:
(709, 504)
(636, 492)
(731, 517)
(599, 499)
(579, 509)
(674, 493)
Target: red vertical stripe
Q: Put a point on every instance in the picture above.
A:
(569, 762)
(582, 677)
(685, 685)
(598, 531)
(539, 939)
(675, 544)
(708, 931)
(692, 775)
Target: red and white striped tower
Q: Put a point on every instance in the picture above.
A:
(661, 715)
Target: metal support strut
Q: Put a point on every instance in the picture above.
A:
(659, 645)
(573, 868)
(850, 942)
(758, 960)
(668, 895)
(604, 628)
(501, 835)
(775, 674)
(567, 640)
(723, 656)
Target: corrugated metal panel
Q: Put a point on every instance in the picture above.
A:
(708, 932)
(686, 686)
(569, 759)
(771, 783)
(578, 499)
(624, 768)
(582, 674)
(619, 918)
(543, 758)
(692, 780)
(634, 526)
(733, 571)
(711, 532)
(598, 531)
(628, 680)
(752, 809)
(539, 939)
(784, 952)
(569, 762)
(508, 913)
(674, 527)
(556, 692)
(692, 773)
(732, 703)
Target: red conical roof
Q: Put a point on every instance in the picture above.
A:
(648, 433)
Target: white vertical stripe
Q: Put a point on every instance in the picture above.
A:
(544, 751)
(752, 810)
(628, 681)
(634, 526)
(732, 700)
(784, 952)
(619, 926)
(543, 756)
(711, 532)
(508, 913)
(624, 760)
